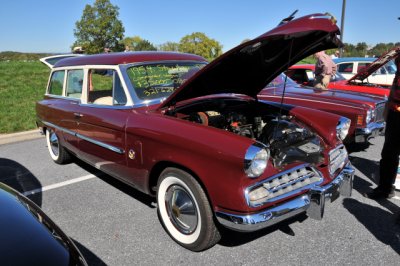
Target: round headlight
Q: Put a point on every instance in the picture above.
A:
(342, 128)
(256, 160)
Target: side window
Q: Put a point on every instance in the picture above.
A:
(345, 67)
(362, 66)
(57, 83)
(105, 88)
(74, 83)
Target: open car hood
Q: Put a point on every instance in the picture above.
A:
(374, 66)
(249, 67)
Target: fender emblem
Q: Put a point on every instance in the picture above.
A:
(131, 154)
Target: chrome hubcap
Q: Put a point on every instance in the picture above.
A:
(181, 209)
(54, 143)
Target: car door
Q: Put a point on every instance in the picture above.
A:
(101, 120)
(60, 106)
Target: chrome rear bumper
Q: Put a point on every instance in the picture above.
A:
(313, 203)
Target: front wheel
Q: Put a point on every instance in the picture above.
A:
(184, 210)
(57, 152)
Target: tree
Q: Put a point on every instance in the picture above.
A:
(361, 48)
(99, 27)
(198, 43)
(169, 46)
(136, 43)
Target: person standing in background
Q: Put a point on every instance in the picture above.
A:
(325, 68)
(335, 54)
(391, 148)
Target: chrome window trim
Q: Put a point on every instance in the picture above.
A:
(96, 142)
(289, 194)
(63, 97)
(114, 107)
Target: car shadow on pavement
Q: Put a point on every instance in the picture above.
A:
(231, 238)
(357, 147)
(19, 178)
(131, 191)
(368, 168)
(89, 256)
(381, 223)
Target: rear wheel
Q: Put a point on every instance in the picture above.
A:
(184, 210)
(57, 152)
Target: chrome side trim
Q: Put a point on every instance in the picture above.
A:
(96, 142)
(312, 202)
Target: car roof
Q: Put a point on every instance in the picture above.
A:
(354, 59)
(126, 58)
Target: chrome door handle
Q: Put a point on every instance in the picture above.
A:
(78, 115)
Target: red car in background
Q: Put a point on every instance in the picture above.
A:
(365, 111)
(304, 74)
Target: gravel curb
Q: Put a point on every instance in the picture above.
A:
(20, 136)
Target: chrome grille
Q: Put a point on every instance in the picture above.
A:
(337, 159)
(380, 107)
(284, 184)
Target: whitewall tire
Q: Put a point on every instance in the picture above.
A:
(184, 210)
(56, 150)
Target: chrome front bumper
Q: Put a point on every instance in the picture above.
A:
(372, 130)
(313, 203)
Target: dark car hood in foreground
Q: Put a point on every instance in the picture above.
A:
(249, 67)
(374, 66)
(29, 237)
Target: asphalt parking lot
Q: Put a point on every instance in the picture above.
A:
(114, 224)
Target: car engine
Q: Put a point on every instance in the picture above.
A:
(287, 139)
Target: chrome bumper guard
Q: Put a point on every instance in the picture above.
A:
(371, 131)
(313, 203)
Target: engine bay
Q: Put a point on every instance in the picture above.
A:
(287, 139)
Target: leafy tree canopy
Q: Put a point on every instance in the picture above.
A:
(169, 46)
(136, 43)
(198, 43)
(99, 27)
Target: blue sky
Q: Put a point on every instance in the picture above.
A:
(47, 25)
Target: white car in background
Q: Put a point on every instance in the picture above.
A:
(349, 66)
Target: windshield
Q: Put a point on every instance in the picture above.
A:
(160, 80)
(391, 67)
(280, 81)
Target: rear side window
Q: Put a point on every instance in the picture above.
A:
(345, 68)
(105, 88)
(362, 66)
(56, 83)
(74, 83)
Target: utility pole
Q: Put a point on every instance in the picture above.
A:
(342, 26)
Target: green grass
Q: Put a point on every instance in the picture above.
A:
(21, 85)
(308, 60)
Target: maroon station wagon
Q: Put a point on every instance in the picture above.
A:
(202, 143)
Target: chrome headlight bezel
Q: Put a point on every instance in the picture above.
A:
(256, 160)
(342, 128)
(370, 116)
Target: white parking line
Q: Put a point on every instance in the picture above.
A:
(57, 185)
